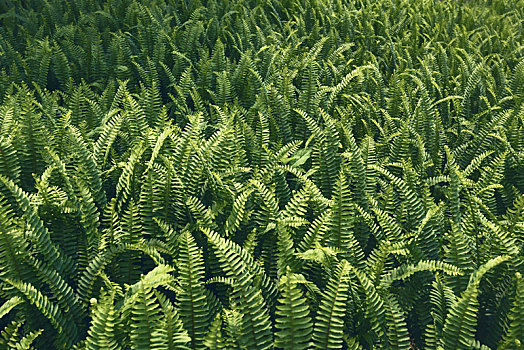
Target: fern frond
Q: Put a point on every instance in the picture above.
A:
(37, 232)
(101, 333)
(9, 163)
(26, 343)
(256, 327)
(404, 271)
(397, 333)
(67, 332)
(9, 305)
(293, 323)
(515, 333)
(192, 301)
(145, 317)
(459, 328)
(329, 322)
(172, 334)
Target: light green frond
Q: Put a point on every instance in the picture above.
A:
(294, 323)
(256, 327)
(329, 322)
(459, 328)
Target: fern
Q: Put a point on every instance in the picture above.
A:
(145, 317)
(101, 334)
(459, 327)
(193, 304)
(514, 334)
(261, 174)
(9, 305)
(398, 335)
(66, 328)
(294, 323)
(255, 321)
(329, 322)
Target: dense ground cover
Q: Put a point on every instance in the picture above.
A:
(261, 174)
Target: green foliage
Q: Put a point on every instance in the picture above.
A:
(255, 174)
(294, 323)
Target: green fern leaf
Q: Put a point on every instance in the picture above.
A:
(459, 328)
(293, 323)
(329, 322)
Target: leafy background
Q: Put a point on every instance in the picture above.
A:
(258, 174)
